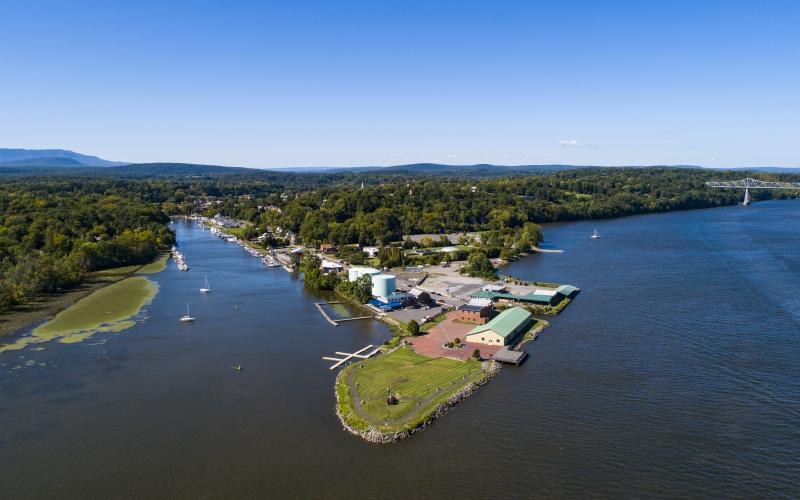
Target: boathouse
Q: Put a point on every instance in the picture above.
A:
(503, 329)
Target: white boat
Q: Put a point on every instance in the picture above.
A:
(595, 235)
(187, 318)
(206, 288)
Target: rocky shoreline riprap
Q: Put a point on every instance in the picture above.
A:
(373, 435)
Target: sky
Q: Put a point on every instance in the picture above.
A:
(278, 84)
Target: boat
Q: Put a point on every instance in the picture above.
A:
(206, 288)
(187, 318)
(595, 235)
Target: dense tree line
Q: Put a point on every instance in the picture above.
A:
(53, 234)
(56, 230)
(343, 213)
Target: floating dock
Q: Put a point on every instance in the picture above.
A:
(347, 356)
(506, 355)
(335, 322)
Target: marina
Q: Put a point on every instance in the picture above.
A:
(180, 259)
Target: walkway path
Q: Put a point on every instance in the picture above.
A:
(405, 418)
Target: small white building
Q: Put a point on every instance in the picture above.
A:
(329, 266)
(371, 251)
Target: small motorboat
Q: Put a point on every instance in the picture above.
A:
(187, 318)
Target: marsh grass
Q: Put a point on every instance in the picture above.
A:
(109, 309)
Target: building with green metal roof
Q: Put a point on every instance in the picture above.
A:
(566, 290)
(539, 296)
(503, 329)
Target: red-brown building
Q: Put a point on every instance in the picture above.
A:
(478, 312)
(328, 248)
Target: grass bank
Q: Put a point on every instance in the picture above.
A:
(424, 388)
(49, 305)
(109, 309)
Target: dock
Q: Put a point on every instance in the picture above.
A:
(324, 314)
(354, 319)
(347, 356)
(335, 322)
(506, 355)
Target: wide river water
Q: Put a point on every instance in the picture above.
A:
(675, 373)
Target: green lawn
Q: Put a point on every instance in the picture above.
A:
(430, 324)
(420, 383)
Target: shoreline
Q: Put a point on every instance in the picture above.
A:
(45, 308)
(375, 436)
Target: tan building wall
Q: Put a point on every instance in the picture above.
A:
(488, 337)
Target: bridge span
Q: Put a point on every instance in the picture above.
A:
(749, 183)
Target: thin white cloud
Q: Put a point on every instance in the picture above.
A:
(571, 143)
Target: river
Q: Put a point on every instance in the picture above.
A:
(673, 374)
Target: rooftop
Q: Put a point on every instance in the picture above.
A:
(504, 323)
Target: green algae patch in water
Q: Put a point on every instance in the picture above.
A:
(109, 309)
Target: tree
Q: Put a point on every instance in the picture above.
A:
(479, 265)
(476, 354)
(413, 327)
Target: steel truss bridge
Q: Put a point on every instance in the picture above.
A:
(748, 184)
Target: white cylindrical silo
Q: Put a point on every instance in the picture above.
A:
(383, 285)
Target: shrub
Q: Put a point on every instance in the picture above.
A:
(413, 327)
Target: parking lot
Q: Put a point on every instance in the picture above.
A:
(406, 315)
(432, 343)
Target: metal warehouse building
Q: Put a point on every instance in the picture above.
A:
(503, 329)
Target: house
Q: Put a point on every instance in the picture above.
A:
(503, 330)
(223, 221)
(493, 288)
(328, 248)
(371, 251)
(328, 266)
(421, 297)
(477, 311)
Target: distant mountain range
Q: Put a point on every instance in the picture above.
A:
(51, 158)
(28, 160)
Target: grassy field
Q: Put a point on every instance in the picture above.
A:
(420, 383)
(107, 310)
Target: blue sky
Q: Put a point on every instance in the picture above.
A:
(270, 84)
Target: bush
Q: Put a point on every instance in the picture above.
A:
(413, 327)
(476, 354)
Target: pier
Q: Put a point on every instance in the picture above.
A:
(347, 356)
(335, 322)
(506, 355)
(324, 314)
